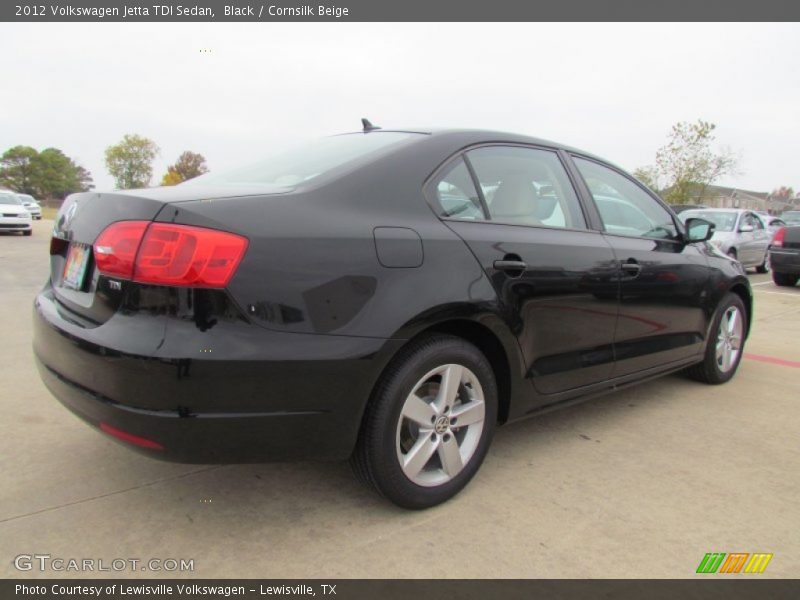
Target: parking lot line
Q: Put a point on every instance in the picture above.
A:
(773, 360)
(779, 293)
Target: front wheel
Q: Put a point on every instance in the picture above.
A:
(725, 344)
(429, 423)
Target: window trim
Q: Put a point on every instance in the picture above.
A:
(675, 221)
(427, 186)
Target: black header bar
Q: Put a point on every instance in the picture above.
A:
(397, 10)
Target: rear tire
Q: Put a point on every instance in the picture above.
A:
(785, 279)
(725, 344)
(421, 439)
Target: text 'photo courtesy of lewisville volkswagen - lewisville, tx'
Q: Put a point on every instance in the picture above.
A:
(331, 300)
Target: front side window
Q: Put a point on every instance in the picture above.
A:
(753, 221)
(625, 208)
(526, 186)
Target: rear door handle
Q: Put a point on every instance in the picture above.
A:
(510, 265)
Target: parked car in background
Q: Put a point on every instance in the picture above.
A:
(739, 233)
(14, 217)
(772, 223)
(387, 296)
(33, 207)
(791, 217)
(679, 208)
(785, 256)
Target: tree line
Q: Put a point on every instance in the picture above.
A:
(52, 175)
(46, 174)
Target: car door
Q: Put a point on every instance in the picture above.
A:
(761, 239)
(746, 239)
(555, 278)
(663, 280)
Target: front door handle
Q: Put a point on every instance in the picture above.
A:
(510, 265)
(631, 268)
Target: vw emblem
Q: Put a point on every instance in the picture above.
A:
(442, 425)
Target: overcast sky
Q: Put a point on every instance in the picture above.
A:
(614, 90)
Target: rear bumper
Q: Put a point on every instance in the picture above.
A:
(264, 396)
(785, 260)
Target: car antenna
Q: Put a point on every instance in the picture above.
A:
(368, 126)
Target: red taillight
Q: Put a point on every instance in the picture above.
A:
(130, 438)
(169, 254)
(115, 248)
(779, 237)
(188, 256)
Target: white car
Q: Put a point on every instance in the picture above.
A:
(13, 214)
(30, 203)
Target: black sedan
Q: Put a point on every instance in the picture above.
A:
(387, 296)
(784, 256)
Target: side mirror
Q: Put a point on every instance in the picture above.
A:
(699, 230)
(746, 228)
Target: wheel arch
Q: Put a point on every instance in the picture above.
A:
(492, 348)
(488, 332)
(743, 291)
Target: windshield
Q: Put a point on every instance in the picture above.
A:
(9, 199)
(724, 221)
(309, 161)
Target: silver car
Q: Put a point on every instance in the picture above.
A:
(772, 224)
(739, 233)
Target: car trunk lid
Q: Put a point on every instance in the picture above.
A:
(87, 297)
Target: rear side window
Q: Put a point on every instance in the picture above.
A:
(526, 186)
(626, 209)
(456, 194)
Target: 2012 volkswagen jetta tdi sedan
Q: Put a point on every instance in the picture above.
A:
(388, 296)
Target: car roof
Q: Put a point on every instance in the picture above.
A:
(485, 136)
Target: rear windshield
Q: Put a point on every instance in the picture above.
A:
(791, 216)
(724, 221)
(303, 164)
(9, 199)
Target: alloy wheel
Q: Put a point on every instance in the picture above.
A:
(729, 339)
(440, 425)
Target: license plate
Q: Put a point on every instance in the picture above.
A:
(75, 267)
